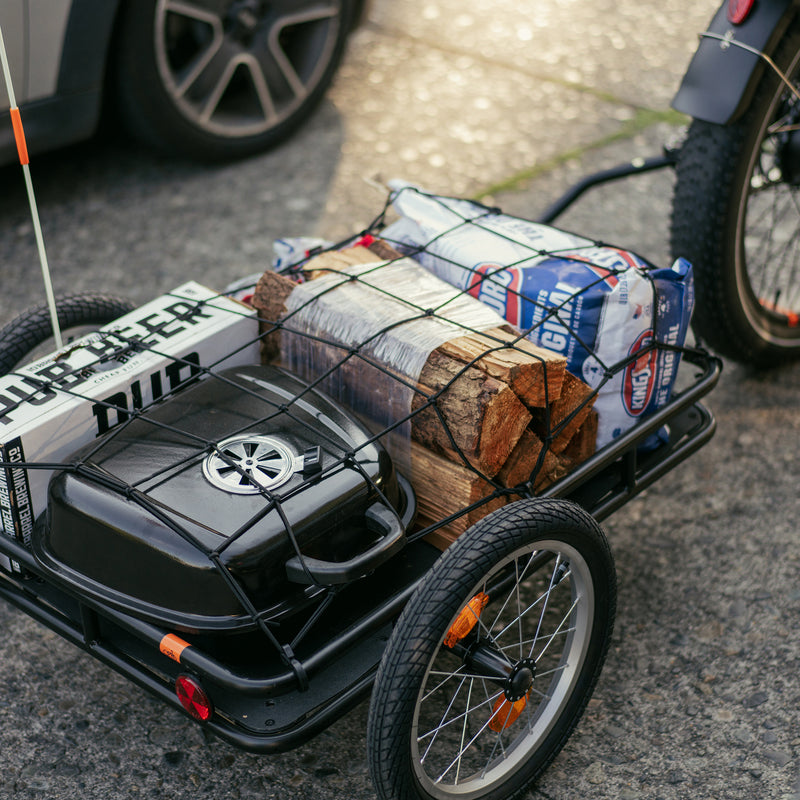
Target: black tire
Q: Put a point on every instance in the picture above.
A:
(736, 217)
(78, 314)
(212, 85)
(422, 681)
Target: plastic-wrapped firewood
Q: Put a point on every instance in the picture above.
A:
(461, 409)
(478, 396)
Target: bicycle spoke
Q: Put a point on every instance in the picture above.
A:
(552, 636)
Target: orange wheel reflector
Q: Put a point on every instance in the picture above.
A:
(505, 713)
(193, 697)
(466, 619)
(792, 317)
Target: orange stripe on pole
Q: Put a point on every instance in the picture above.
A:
(172, 646)
(19, 135)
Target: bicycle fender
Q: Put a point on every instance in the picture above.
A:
(722, 77)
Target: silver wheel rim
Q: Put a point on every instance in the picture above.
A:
(454, 752)
(239, 68)
(768, 234)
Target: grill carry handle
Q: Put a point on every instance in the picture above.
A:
(379, 518)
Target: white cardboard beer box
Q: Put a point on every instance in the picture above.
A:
(50, 408)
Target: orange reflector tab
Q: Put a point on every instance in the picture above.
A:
(792, 318)
(505, 713)
(466, 620)
(172, 646)
(19, 136)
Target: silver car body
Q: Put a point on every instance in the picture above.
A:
(58, 87)
(34, 27)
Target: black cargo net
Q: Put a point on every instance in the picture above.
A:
(248, 462)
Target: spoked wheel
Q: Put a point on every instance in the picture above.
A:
(736, 216)
(30, 335)
(224, 79)
(493, 660)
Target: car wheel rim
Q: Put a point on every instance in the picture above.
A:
(239, 68)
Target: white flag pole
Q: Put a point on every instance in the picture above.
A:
(22, 150)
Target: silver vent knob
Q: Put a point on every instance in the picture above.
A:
(249, 464)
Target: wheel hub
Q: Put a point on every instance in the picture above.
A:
(520, 680)
(243, 19)
(483, 658)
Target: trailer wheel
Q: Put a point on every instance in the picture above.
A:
(492, 662)
(31, 333)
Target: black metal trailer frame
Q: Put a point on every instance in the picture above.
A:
(269, 692)
(268, 712)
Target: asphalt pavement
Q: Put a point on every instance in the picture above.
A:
(510, 102)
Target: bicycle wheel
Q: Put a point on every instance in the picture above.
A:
(493, 660)
(736, 217)
(32, 332)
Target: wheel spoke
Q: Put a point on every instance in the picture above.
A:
(459, 718)
(544, 604)
(528, 641)
(449, 676)
(275, 66)
(441, 724)
(463, 731)
(462, 750)
(553, 634)
(513, 593)
(511, 624)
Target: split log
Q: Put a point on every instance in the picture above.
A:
(475, 417)
(534, 374)
(566, 414)
(269, 299)
(529, 461)
(444, 488)
(583, 444)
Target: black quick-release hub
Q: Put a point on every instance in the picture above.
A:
(483, 658)
(520, 680)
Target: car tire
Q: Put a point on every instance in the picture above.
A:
(221, 85)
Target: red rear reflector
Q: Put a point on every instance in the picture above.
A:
(738, 10)
(193, 698)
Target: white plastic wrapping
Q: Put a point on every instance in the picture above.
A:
(389, 314)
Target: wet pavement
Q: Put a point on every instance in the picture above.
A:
(700, 692)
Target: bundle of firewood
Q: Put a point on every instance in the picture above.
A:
(490, 410)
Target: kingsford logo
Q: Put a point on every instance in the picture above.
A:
(639, 378)
(498, 288)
